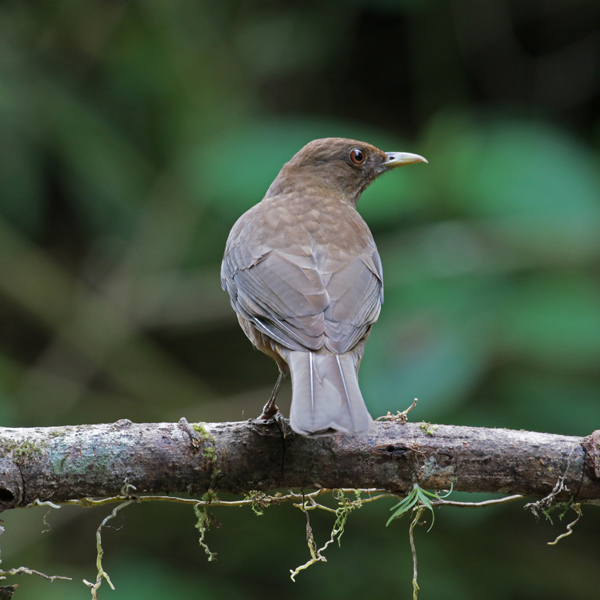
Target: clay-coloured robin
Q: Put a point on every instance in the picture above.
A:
(305, 279)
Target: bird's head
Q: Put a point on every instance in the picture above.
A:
(338, 166)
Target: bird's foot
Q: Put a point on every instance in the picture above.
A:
(270, 415)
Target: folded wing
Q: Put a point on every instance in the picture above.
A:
(303, 298)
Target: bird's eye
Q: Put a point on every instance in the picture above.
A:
(357, 156)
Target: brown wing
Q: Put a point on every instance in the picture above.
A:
(302, 298)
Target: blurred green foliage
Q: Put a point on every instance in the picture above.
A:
(133, 134)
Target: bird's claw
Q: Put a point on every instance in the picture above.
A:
(271, 415)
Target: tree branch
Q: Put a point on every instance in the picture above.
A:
(61, 463)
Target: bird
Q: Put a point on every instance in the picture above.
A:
(305, 279)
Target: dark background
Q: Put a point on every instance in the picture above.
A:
(133, 134)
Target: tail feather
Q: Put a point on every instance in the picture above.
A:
(325, 394)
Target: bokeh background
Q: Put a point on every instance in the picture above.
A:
(133, 134)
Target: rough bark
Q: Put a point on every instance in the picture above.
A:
(60, 463)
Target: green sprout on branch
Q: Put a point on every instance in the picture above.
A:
(417, 497)
(417, 500)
